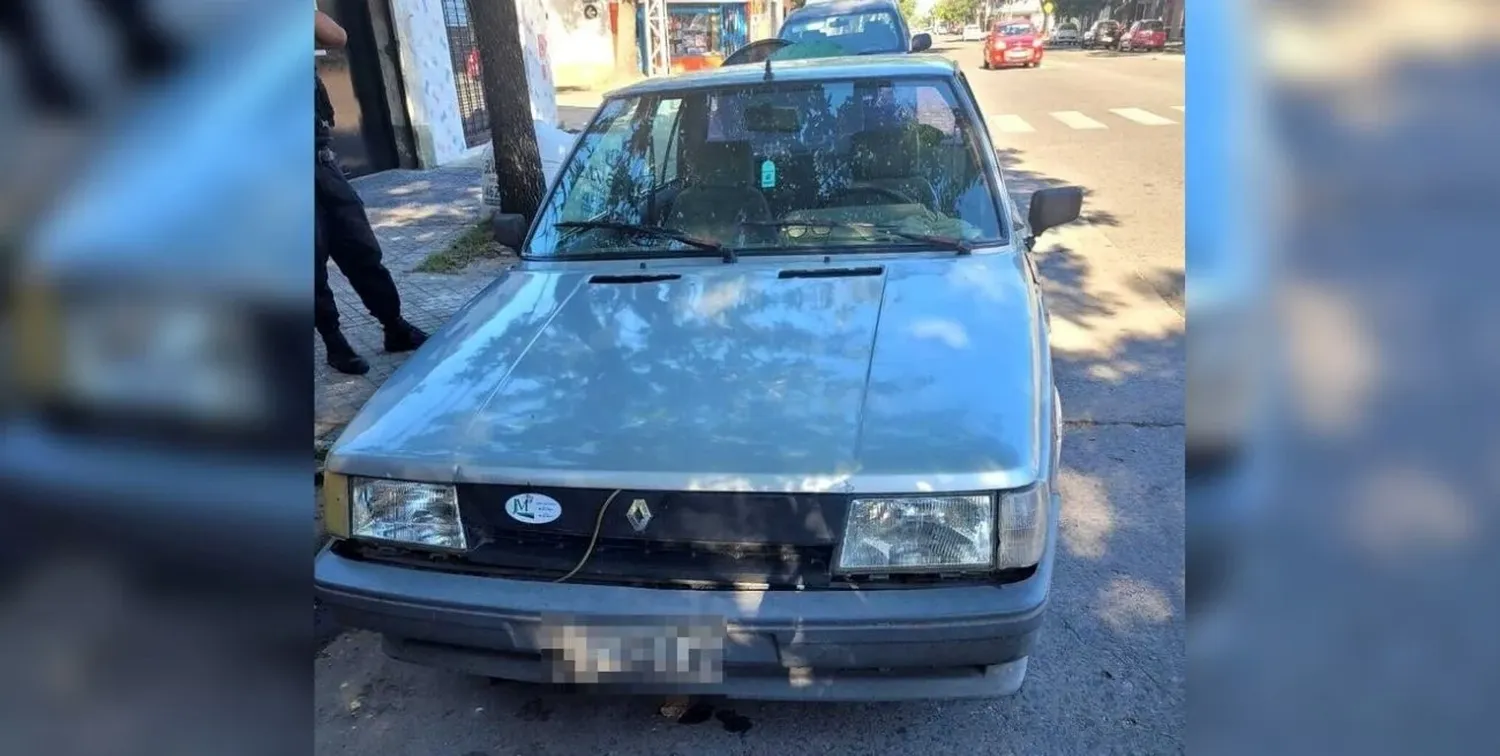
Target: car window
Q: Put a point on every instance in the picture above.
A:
(755, 160)
(607, 143)
(1154, 26)
(856, 33)
(1010, 30)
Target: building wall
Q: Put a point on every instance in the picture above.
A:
(432, 101)
(427, 71)
(583, 49)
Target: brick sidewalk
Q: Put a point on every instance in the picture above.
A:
(415, 214)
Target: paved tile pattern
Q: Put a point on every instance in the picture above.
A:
(414, 214)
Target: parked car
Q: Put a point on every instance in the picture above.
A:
(973, 33)
(729, 406)
(1013, 43)
(1105, 34)
(858, 27)
(1144, 35)
(1065, 34)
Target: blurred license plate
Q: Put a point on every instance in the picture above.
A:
(682, 651)
(1019, 54)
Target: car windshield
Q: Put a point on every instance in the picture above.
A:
(855, 34)
(837, 165)
(1011, 30)
(1151, 26)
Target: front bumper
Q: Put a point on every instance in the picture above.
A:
(1002, 58)
(842, 645)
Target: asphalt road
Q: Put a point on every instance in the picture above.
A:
(1109, 676)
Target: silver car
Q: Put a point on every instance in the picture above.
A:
(766, 410)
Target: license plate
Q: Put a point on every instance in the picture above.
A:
(678, 651)
(1018, 54)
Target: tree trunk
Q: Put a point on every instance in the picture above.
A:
(627, 54)
(507, 97)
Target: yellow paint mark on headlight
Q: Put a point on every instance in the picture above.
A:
(38, 341)
(336, 504)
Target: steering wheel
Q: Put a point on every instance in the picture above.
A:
(883, 192)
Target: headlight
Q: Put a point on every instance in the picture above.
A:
(1023, 527)
(919, 533)
(173, 357)
(422, 514)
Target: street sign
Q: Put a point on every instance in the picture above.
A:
(1047, 8)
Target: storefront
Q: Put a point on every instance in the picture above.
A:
(701, 35)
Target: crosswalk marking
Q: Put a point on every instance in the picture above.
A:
(1143, 117)
(1182, 108)
(1076, 120)
(1012, 124)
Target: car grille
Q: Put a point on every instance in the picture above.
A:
(692, 538)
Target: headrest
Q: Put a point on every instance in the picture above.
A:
(884, 153)
(720, 164)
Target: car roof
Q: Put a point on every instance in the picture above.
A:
(842, 8)
(809, 69)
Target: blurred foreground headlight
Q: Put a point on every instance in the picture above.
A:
(167, 357)
(1222, 358)
(919, 533)
(419, 514)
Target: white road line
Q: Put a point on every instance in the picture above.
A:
(1143, 117)
(1076, 120)
(1012, 124)
(1182, 108)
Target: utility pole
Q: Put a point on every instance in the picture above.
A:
(518, 161)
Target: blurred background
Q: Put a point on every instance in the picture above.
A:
(1342, 185)
(156, 228)
(1343, 210)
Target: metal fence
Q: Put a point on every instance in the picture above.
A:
(471, 107)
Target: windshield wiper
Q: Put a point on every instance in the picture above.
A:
(657, 231)
(947, 242)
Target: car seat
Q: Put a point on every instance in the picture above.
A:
(888, 158)
(717, 194)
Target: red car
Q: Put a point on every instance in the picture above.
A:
(1145, 35)
(1013, 43)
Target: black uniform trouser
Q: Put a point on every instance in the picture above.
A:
(344, 234)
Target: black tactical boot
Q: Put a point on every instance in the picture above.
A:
(342, 357)
(403, 337)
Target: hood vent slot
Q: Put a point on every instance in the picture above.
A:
(873, 270)
(634, 278)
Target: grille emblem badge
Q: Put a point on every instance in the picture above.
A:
(639, 515)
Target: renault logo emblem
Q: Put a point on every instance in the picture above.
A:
(639, 515)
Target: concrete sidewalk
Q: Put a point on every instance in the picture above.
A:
(415, 214)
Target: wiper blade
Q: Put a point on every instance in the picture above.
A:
(657, 231)
(948, 242)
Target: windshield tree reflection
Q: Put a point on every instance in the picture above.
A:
(856, 160)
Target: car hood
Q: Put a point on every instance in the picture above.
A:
(929, 375)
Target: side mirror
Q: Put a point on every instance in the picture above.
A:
(1051, 208)
(921, 42)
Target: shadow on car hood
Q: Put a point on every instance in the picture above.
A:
(925, 375)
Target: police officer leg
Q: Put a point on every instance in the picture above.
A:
(353, 246)
(341, 356)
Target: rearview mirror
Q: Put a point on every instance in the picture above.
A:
(921, 42)
(771, 119)
(1055, 207)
